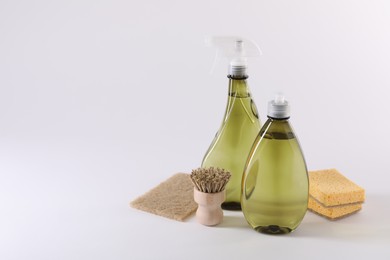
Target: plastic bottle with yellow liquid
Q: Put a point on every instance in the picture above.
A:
(275, 185)
(230, 148)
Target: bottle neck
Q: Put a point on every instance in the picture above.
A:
(278, 128)
(238, 87)
(278, 119)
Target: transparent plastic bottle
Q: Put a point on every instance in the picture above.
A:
(275, 185)
(230, 147)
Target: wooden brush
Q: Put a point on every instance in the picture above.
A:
(209, 193)
(210, 180)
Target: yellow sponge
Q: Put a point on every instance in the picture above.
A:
(334, 212)
(331, 188)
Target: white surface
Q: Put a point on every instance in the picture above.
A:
(102, 100)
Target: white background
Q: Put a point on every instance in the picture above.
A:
(102, 100)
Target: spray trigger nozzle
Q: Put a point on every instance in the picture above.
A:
(236, 50)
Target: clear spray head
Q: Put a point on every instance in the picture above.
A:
(279, 107)
(238, 64)
(236, 50)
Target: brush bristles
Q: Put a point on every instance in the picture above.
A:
(210, 180)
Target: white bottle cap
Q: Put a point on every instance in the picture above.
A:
(279, 107)
(237, 68)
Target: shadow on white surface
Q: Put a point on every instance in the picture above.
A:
(369, 224)
(234, 220)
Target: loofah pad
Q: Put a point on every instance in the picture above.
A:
(173, 198)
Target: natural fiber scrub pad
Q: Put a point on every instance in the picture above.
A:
(333, 212)
(173, 198)
(331, 188)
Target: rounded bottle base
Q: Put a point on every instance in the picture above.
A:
(273, 229)
(231, 206)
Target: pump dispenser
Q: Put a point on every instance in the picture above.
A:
(275, 185)
(231, 145)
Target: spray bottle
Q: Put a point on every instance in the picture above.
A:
(230, 148)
